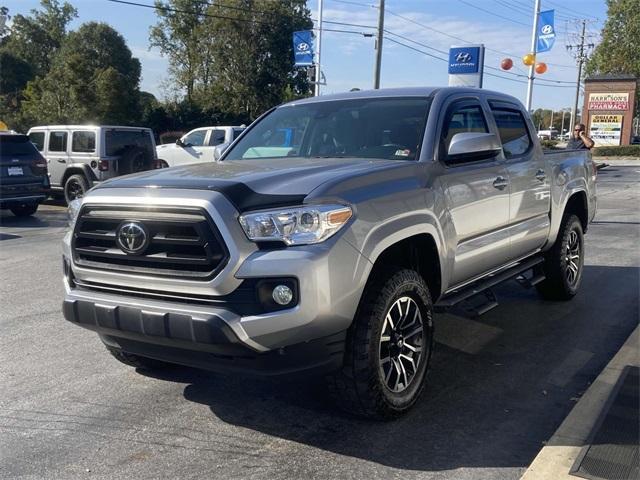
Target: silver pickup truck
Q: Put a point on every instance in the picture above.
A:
(331, 253)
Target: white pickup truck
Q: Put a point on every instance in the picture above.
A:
(197, 146)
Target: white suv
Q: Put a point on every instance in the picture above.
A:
(197, 146)
(80, 156)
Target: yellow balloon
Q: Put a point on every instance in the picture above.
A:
(529, 59)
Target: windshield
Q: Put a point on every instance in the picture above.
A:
(15, 145)
(384, 128)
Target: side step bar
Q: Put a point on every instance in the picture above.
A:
(483, 284)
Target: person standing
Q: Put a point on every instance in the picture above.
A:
(580, 140)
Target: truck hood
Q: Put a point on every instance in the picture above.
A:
(259, 183)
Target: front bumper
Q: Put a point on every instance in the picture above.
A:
(201, 338)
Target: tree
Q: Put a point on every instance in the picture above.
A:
(35, 39)
(619, 51)
(92, 78)
(180, 37)
(253, 55)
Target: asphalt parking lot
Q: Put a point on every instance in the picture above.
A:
(499, 387)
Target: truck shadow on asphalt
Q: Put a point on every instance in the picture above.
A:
(499, 385)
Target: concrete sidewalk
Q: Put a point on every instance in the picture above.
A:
(556, 459)
(618, 161)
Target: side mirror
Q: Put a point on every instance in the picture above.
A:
(472, 146)
(219, 150)
(180, 143)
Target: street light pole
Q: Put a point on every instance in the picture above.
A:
(534, 41)
(318, 49)
(376, 71)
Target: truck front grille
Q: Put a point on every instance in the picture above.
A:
(181, 243)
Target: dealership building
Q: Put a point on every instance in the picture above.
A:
(610, 108)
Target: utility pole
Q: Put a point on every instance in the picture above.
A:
(580, 56)
(534, 44)
(318, 48)
(551, 122)
(376, 72)
(574, 115)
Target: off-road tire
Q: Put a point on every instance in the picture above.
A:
(76, 186)
(24, 210)
(359, 387)
(558, 285)
(143, 363)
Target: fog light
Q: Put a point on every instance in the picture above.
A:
(282, 295)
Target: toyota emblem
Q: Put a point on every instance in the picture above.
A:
(132, 238)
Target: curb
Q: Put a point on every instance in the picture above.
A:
(561, 451)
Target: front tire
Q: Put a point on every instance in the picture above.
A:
(388, 348)
(563, 264)
(24, 210)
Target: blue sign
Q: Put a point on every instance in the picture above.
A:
(303, 48)
(464, 60)
(546, 32)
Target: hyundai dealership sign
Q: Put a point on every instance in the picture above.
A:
(466, 66)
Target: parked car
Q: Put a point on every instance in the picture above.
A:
(547, 134)
(635, 140)
(80, 156)
(197, 146)
(24, 182)
(331, 255)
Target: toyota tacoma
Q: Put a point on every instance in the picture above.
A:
(330, 253)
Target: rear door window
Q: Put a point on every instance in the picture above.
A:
(217, 138)
(237, 132)
(513, 132)
(83, 142)
(37, 138)
(58, 142)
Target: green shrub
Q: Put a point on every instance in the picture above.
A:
(549, 144)
(617, 151)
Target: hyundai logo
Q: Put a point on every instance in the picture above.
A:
(303, 47)
(132, 238)
(547, 29)
(463, 57)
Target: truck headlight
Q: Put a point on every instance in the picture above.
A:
(296, 226)
(73, 211)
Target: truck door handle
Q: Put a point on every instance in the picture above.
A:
(540, 175)
(62, 160)
(500, 183)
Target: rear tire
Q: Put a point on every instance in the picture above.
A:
(143, 363)
(388, 348)
(24, 210)
(75, 187)
(564, 262)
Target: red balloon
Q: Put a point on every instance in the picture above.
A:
(541, 68)
(506, 64)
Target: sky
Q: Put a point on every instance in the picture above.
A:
(503, 26)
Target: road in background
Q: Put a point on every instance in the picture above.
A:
(499, 386)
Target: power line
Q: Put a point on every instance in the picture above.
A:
(415, 22)
(493, 13)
